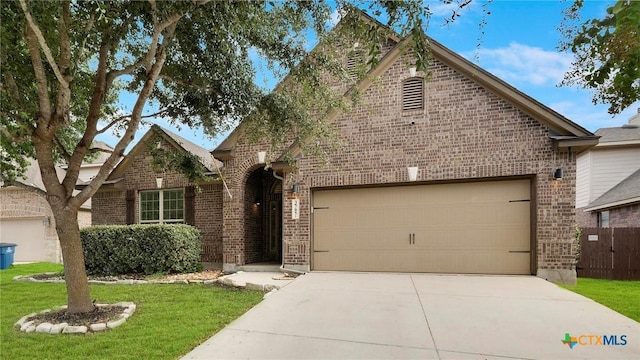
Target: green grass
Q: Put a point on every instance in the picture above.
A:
(170, 319)
(614, 294)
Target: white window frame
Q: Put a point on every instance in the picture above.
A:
(161, 219)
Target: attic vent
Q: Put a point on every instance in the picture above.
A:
(413, 94)
(355, 61)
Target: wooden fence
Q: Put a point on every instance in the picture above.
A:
(610, 253)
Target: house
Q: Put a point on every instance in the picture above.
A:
(458, 174)
(26, 219)
(608, 178)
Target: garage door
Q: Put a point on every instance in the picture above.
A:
(480, 227)
(28, 234)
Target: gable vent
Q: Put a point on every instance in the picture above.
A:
(355, 61)
(413, 94)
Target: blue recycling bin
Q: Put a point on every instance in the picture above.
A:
(6, 255)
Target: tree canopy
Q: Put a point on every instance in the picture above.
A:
(63, 64)
(607, 54)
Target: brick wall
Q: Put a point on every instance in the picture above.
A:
(110, 206)
(586, 218)
(628, 216)
(465, 132)
(16, 203)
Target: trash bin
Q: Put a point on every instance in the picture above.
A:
(6, 255)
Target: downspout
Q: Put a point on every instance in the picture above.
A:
(282, 268)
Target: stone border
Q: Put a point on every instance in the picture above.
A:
(30, 278)
(64, 328)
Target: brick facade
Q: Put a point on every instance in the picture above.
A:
(625, 216)
(110, 205)
(465, 132)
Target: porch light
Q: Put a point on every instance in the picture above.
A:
(412, 71)
(262, 157)
(295, 189)
(557, 175)
(158, 182)
(257, 201)
(412, 171)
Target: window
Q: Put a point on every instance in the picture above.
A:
(603, 219)
(413, 94)
(162, 206)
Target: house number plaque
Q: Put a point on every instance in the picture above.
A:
(295, 209)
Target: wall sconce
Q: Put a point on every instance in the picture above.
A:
(412, 171)
(557, 175)
(412, 71)
(158, 182)
(257, 201)
(262, 157)
(295, 189)
(46, 221)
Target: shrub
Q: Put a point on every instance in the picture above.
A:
(141, 249)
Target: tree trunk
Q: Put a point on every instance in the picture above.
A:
(75, 274)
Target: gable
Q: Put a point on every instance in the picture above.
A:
(173, 140)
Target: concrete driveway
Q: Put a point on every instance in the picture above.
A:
(326, 315)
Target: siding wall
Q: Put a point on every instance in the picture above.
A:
(610, 166)
(583, 179)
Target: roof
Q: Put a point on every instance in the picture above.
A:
(626, 133)
(33, 178)
(573, 135)
(625, 193)
(206, 159)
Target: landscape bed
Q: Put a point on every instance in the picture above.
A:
(170, 319)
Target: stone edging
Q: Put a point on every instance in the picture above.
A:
(64, 328)
(30, 278)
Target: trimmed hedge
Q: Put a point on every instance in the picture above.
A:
(141, 249)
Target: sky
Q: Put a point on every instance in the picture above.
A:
(519, 45)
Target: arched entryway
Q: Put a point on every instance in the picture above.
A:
(262, 217)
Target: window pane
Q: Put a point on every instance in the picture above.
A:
(149, 206)
(604, 219)
(173, 205)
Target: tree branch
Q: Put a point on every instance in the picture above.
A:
(44, 103)
(43, 43)
(16, 139)
(120, 118)
(136, 115)
(65, 154)
(64, 91)
(153, 48)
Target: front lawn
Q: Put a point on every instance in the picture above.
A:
(614, 294)
(170, 319)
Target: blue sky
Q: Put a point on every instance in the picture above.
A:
(519, 45)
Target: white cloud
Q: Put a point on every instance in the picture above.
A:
(519, 63)
(592, 117)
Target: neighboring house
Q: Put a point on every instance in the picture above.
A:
(26, 219)
(608, 179)
(481, 197)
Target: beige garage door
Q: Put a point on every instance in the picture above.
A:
(28, 234)
(480, 227)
